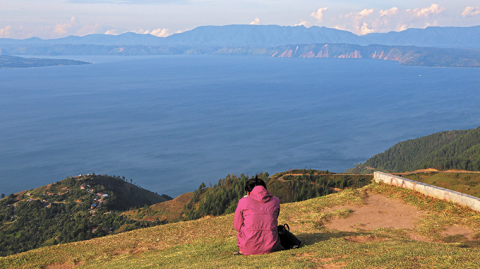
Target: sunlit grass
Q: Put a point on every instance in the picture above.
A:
(210, 242)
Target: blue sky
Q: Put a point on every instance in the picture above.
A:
(59, 18)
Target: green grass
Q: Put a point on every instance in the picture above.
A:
(468, 183)
(210, 242)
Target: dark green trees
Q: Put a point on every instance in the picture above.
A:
(443, 151)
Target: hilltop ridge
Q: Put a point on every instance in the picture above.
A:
(440, 234)
(74, 209)
(457, 149)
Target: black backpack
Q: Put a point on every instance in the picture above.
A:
(287, 239)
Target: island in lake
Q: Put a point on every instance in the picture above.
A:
(19, 62)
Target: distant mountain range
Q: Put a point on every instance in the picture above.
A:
(432, 46)
(274, 35)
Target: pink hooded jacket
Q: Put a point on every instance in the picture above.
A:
(256, 222)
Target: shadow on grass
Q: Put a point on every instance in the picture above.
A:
(309, 239)
(461, 241)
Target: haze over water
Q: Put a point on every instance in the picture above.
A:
(172, 122)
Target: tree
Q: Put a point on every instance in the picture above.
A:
(3, 196)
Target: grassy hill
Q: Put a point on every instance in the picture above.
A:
(209, 242)
(168, 211)
(222, 197)
(70, 210)
(468, 183)
(442, 151)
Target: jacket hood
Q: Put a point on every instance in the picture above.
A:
(260, 194)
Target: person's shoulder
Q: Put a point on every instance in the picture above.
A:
(243, 200)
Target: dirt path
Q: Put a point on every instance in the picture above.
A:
(379, 212)
(335, 174)
(382, 212)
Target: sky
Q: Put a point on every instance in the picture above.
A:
(22, 19)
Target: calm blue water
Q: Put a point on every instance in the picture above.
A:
(172, 122)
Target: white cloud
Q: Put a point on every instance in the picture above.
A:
(389, 12)
(393, 19)
(426, 12)
(365, 30)
(304, 23)
(358, 15)
(355, 22)
(319, 14)
(89, 29)
(63, 28)
(6, 32)
(365, 12)
(114, 32)
(435, 23)
(401, 27)
(73, 27)
(161, 32)
(181, 31)
(471, 11)
(256, 21)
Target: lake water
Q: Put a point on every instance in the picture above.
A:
(172, 122)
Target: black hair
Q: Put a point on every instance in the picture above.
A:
(251, 183)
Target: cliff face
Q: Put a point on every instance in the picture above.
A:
(340, 51)
(404, 55)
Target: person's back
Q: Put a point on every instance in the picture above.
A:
(256, 222)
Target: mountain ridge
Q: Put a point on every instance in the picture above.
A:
(275, 35)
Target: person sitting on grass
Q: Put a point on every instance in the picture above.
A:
(256, 220)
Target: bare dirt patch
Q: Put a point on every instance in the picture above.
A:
(457, 230)
(378, 212)
(460, 171)
(426, 170)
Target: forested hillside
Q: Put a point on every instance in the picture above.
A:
(17, 62)
(222, 197)
(442, 151)
(70, 210)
